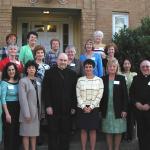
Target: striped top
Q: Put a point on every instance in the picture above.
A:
(51, 58)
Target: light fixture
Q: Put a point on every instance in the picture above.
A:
(46, 12)
(33, 1)
(48, 27)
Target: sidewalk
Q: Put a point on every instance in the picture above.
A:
(100, 145)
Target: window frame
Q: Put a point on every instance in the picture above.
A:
(124, 16)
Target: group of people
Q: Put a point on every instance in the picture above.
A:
(56, 85)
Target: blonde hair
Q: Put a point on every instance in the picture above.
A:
(115, 62)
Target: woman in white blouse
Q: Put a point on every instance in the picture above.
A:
(89, 93)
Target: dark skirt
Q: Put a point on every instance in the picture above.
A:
(88, 121)
(11, 130)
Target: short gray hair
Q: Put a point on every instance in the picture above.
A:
(70, 47)
(98, 33)
(11, 46)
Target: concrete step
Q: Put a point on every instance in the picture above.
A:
(100, 145)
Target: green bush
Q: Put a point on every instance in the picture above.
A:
(134, 43)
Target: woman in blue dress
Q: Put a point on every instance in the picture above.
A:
(114, 105)
(89, 54)
(10, 103)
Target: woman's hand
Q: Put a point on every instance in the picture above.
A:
(49, 110)
(146, 107)
(139, 106)
(87, 109)
(8, 118)
(103, 55)
(123, 114)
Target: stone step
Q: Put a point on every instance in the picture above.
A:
(99, 146)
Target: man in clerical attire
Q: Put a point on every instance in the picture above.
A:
(59, 94)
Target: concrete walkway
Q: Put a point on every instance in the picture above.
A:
(100, 145)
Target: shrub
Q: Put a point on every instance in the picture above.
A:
(134, 43)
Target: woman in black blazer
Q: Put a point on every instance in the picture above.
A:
(114, 105)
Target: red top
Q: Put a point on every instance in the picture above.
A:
(6, 60)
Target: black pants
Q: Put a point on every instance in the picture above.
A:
(130, 124)
(143, 130)
(11, 130)
(58, 132)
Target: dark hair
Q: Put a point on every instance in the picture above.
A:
(91, 42)
(89, 62)
(127, 58)
(52, 40)
(32, 32)
(37, 48)
(5, 75)
(30, 63)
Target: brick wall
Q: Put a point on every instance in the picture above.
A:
(104, 8)
(95, 14)
(5, 22)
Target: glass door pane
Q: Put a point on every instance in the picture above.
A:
(65, 35)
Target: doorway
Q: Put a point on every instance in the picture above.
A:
(47, 30)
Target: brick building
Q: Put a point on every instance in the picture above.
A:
(72, 21)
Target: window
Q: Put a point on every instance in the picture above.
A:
(65, 36)
(25, 29)
(119, 21)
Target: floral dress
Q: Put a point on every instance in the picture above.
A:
(110, 124)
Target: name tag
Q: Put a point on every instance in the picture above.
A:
(38, 83)
(99, 49)
(117, 82)
(10, 87)
(93, 58)
(149, 83)
(72, 65)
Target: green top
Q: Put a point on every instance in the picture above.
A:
(129, 77)
(25, 54)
